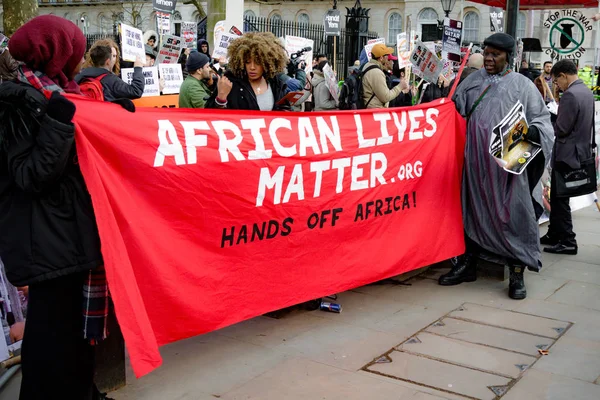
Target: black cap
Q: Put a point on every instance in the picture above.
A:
(196, 60)
(501, 41)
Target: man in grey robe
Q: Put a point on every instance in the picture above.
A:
(500, 209)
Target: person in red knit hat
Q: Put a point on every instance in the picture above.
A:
(48, 235)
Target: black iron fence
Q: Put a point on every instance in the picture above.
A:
(97, 36)
(322, 44)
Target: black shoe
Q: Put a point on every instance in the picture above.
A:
(464, 270)
(548, 240)
(516, 286)
(562, 248)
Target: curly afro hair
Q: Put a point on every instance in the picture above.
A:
(262, 47)
(104, 42)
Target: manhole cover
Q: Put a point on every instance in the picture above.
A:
(474, 351)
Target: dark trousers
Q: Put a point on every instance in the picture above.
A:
(561, 223)
(57, 362)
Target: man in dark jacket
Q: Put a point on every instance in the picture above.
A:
(103, 59)
(525, 71)
(573, 129)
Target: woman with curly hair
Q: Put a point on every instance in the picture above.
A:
(251, 81)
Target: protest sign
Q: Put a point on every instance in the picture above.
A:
(170, 50)
(151, 80)
(163, 22)
(448, 69)
(294, 44)
(219, 29)
(403, 50)
(189, 33)
(425, 63)
(218, 209)
(3, 43)
(173, 76)
(331, 81)
(132, 44)
(452, 38)
(370, 44)
(13, 305)
(332, 23)
(223, 43)
(496, 19)
(165, 6)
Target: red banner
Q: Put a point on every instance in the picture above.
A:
(211, 217)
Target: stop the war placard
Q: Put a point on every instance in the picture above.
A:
(170, 50)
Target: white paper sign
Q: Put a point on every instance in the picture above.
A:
(223, 43)
(151, 87)
(170, 50)
(371, 43)
(403, 50)
(296, 43)
(189, 33)
(132, 43)
(331, 81)
(426, 63)
(164, 23)
(173, 77)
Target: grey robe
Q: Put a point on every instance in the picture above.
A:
(499, 210)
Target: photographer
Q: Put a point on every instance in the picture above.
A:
(296, 74)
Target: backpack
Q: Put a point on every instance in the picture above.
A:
(92, 87)
(358, 93)
(347, 99)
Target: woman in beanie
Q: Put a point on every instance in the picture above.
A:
(500, 209)
(251, 83)
(48, 235)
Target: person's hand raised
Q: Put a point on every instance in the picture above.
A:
(224, 87)
(138, 62)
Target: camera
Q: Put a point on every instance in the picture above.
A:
(296, 62)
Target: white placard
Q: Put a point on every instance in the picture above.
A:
(151, 80)
(371, 43)
(331, 81)
(425, 63)
(223, 43)
(170, 50)
(173, 77)
(295, 43)
(189, 33)
(132, 43)
(403, 49)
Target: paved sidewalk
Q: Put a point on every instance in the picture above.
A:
(408, 341)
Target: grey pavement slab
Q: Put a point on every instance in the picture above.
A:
(574, 358)
(466, 354)
(575, 271)
(511, 320)
(540, 385)
(490, 336)
(539, 286)
(202, 366)
(440, 375)
(302, 379)
(580, 294)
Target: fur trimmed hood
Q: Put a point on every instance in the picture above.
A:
(148, 34)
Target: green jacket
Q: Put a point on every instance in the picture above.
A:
(586, 75)
(193, 93)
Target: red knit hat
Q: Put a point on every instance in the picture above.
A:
(50, 44)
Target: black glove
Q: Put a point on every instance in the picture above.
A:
(20, 95)
(60, 108)
(533, 135)
(125, 103)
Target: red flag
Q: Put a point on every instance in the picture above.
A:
(211, 217)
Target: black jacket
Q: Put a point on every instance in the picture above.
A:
(114, 87)
(47, 223)
(242, 96)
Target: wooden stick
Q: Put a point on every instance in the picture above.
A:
(10, 362)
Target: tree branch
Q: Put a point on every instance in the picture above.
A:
(196, 3)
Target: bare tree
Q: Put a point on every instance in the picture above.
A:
(198, 5)
(134, 13)
(16, 13)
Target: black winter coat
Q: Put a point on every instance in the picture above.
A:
(113, 86)
(242, 95)
(47, 223)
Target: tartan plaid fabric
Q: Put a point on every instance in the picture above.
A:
(95, 288)
(95, 307)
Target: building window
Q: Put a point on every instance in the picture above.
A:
(428, 21)
(104, 24)
(176, 16)
(394, 27)
(521, 25)
(276, 24)
(303, 21)
(249, 20)
(471, 27)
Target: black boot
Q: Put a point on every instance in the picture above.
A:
(516, 286)
(464, 270)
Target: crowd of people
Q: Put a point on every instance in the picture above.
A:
(50, 243)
